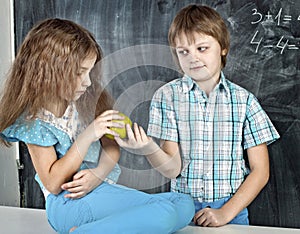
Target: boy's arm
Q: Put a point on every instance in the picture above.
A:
(250, 188)
(166, 159)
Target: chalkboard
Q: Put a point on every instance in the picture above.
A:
(264, 58)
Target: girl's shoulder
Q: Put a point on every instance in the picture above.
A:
(30, 131)
(68, 124)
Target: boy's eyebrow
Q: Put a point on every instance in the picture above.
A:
(197, 44)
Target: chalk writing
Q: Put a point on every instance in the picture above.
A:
(280, 19)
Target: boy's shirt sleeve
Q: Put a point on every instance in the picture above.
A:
(258, 128)
(162, 118)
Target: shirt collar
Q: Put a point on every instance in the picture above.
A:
(188, 84)
(223, 84)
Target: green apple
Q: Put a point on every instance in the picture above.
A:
(121, 131)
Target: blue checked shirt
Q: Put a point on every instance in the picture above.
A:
(212, 134)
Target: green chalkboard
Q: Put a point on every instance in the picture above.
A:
(264, 58)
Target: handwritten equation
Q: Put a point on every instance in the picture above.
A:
(279, 19)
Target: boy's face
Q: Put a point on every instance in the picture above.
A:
(200, 59)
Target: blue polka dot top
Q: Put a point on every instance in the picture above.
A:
(49, 130)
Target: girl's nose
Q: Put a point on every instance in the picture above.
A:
(87, 81)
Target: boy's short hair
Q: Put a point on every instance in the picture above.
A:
(199, 19)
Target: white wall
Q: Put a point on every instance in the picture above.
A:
(9, 183)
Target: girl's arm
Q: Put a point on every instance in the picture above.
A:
(86, 180)
(166, 158)
(109, 157)
(259, 165)
(54, 172)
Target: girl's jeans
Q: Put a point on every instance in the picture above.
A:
(117, 209)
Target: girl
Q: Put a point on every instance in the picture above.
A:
(53, 97)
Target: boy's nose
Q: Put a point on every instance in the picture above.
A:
(195, 56)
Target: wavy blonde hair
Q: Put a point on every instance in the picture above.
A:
(46, 68)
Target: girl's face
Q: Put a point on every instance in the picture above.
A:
(83, 79)
(200, 59)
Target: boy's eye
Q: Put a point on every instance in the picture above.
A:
(183, 52)
(202, 48)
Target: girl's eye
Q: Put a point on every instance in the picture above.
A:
(80, 73)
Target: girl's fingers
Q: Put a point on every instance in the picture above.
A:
(75, 189)
(75, 195)
(68, 185)
(109, 112)
(111, 132)
(115, 124)
(78, 175)
(110, 117)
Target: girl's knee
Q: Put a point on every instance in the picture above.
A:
(186, 204)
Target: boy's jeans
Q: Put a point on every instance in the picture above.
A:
(241, 218)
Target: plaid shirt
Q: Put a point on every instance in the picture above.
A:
(212, 134)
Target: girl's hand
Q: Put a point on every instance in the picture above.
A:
(83, 182)
(102, 124)
(209, 217)
(137, 142)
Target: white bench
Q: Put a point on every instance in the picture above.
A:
(15, 220)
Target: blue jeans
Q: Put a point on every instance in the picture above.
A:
(241, 218)
(118, 209)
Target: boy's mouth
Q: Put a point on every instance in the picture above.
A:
(196, 67)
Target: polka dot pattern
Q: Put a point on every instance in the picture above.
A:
(48, 130)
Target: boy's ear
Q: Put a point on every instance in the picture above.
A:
(224, 52)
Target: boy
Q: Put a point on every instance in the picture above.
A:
(205, 122)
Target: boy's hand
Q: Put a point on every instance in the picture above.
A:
(137, 142)
(209, 217)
